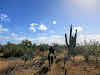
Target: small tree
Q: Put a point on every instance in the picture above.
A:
(27, 45)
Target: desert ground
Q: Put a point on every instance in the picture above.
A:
(16, 66)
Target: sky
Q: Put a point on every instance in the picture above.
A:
(43, 21)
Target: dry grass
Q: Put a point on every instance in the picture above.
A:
(56, 69)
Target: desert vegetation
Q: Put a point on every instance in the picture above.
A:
(27, 58)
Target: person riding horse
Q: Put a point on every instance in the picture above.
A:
(51, 56)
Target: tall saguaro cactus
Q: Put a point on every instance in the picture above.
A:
(72, 41)
(70, 45)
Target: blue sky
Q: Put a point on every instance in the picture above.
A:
(43, 21)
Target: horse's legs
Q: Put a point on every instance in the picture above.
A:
(52, 60)
(49, 60)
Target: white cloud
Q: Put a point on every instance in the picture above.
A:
(42, 27)
(4, 37)
(32, 29)
(54, 22)
(59, 39)
(88, 38)
(32, 24)
(13, 34)
(3, 29)
(4, 17)
(23, 38)
(79, 29)
(43, 39)
(19, 38)
(50, 39)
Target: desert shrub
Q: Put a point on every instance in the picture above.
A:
(29, 49)
(92, 48)
(22, 49)
(1, 49)
(43, 47)
(15, 50)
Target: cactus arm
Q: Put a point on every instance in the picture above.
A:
(66, 40)
(70, 38)
(76, 34)
(74, 45)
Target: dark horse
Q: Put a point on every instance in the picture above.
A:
(51, 56)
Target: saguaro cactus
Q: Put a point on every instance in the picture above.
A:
(72, 42)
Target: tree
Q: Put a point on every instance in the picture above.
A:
(27, 45)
